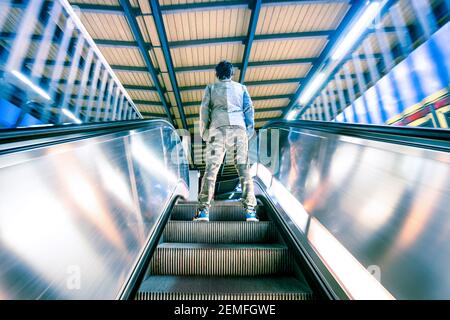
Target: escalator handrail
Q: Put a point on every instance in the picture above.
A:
(22, 134)
(50, 135)
(430, 138)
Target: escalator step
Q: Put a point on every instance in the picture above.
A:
(220, 211)
(217, 288)
(221, 259)
(220, 232)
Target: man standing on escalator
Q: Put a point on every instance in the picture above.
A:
(226, 124)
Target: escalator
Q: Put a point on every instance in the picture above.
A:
(225, 259)
(347, 212)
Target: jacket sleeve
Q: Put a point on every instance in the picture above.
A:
(204, 114)
(249, 113)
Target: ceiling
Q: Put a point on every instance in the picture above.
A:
(164, 52)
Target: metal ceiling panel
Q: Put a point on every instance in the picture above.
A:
(287, 49)
(301, 17)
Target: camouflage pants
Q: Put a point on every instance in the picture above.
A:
(234, 141)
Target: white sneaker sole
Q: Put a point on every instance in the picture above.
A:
(201, 219)
(252, 220)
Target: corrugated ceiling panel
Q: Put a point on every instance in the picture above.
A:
(179, 123)
(192, 121)
(195, 78)
(287, 49)
(152, 109)
(206, 55)
(272, 89)
(123, 56)
(148, 29)
(143, 95)
(191, 110)
(270, 103)
(134, 78)
(192, 95)
(208, 24)
(260, 124)
(277, 72)
(103, 2)
(272, 114)
(198, 78)
(169, 2)
(134, 3)
(107, 26)
(302, 17)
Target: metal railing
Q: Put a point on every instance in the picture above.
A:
(350, 92)
(52, 72)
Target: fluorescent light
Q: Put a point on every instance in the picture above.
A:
(71, 116)
(292, 115)
(30, 84)
(312, 88)
(357, 30)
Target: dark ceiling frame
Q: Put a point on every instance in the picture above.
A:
(256, 8)
(160, 28)
(131, 18)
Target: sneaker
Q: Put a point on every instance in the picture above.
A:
(202, 215)
(250, 215)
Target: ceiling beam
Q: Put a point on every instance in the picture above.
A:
(250, 37)
(198, 68)
(257, 110)
(193, 126)
(201, 6)
(152, 114)
(249, 83)
(148, 103)
(103, 8)
(250, 64)
(159, 23)
(243, 40)
(257, 98)
(132, 22)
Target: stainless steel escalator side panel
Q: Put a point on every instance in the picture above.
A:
(75, 217)
(370, 210)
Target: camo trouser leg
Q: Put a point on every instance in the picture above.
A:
(234, 141)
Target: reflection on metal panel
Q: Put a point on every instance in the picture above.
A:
(75, 217)
(384, 204)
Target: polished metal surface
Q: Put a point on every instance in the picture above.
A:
(75, 217)
(369, 210)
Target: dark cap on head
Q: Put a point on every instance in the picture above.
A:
(224, 70)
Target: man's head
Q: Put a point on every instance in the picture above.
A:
(224, 70)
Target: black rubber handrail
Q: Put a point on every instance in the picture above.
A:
(16, 140)
(24, 134)
(430, 138)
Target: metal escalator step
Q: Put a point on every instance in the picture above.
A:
(197, 259)
(220, 211)
(223, 288)
(220, 232)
